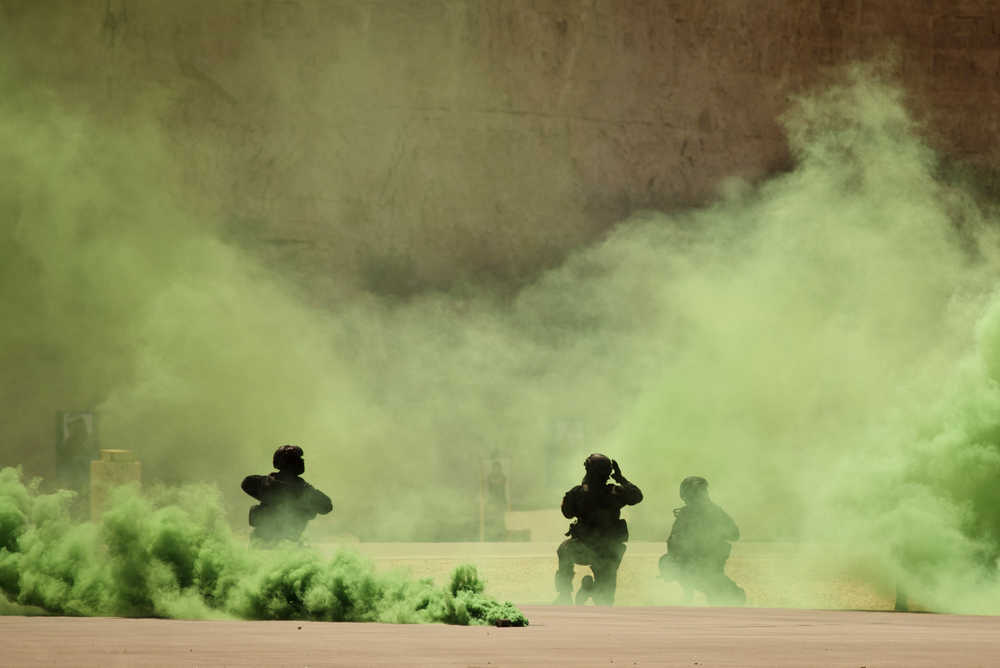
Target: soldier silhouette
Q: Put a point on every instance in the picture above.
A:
(495, 505)
(699, 546)
(287, 502)
(597, 536)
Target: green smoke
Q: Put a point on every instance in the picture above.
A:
(823, 347)
(172, 555)
(824, 354)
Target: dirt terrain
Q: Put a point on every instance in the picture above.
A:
(585, 636)
(635, 633)
(774, 574)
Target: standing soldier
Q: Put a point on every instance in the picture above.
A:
(597, 537)
(287, 502)
(699, 545)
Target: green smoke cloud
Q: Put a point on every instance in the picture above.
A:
(172, 555)
(823, 347)
(825, 353)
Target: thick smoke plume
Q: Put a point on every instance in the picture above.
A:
(172, 555)
(823, 347)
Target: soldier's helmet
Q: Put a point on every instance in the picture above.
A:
(289, 457)
(598, 466)
(693, 487)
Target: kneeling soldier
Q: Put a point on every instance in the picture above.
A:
(287, 502)
(597, 537)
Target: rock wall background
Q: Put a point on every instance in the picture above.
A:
(403, 145)
(400, 147)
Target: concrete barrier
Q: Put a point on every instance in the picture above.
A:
(113, 469)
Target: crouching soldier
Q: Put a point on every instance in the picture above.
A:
(597, 536)
(287, 502)
(699, 546)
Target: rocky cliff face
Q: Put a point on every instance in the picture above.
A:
(402, 145)
(395, 147)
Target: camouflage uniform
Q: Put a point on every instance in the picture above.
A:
(597, 537)
(699, 546)
(287, 502)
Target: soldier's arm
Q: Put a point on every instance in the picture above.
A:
(628, 493)
(569, 504)
(678, 534)
(319, 502)
(253, 485)
(731, 532)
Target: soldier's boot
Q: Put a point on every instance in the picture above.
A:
(564, 587)
(586, 590)
(721, 590)
(605, 582)
(604, 593)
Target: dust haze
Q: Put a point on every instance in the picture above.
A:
(823, 346)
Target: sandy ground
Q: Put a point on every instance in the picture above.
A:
(583, 636)
(647, 628)
(774, 575)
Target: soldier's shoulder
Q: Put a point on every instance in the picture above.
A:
(618, 490)
(720, 512)
(306, 484)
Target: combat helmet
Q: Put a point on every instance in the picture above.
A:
(289, 457)
(692, 487)
(598, 466)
